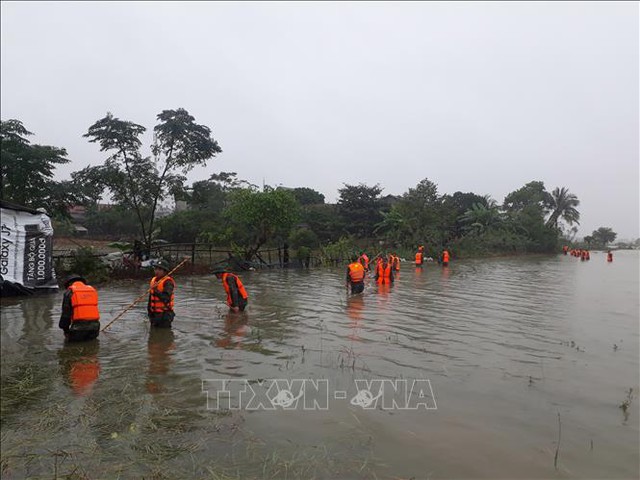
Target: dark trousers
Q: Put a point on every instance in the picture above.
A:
(242, 303)
(81, 335)
(357, 287)
(82, 331)
(161, 319)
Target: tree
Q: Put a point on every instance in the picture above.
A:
(27, 171)
(532, 195)
(588, 240)
(456, 205)
(324, 220)
(256, 217)
(563, 206)
(139, 182)
(394, 225)
(603, 236)
(308, 196)
(211, 194)
(481, 217)
(525, 210)
(359, 206)
(424, 214)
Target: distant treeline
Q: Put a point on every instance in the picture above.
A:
(226, 210)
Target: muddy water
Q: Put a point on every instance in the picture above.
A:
(518, 352)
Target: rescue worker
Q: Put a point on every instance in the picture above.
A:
(237, 297)
(420, 256)
(445, 257)
(609, 256)
(384, 271)
(395, 264)
(160, 305)
(565, 249)
(364, 260)
(355, 275)
(80, 318)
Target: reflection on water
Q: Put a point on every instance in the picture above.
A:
(235, 330)
(160, 346)
(506, 343)
(79, 365)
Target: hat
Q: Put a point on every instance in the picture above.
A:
(218, 271)
(163, 265)
(74, 277)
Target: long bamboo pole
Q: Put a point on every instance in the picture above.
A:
(143, 295)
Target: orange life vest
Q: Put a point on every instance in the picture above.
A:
(445, 256)
(364, 260)
(419, 258)
(356, 272)
(383, 271)
(396, 263)
(241, 290)
(84, 301)
(158, 305)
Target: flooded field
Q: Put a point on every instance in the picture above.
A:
(528, 361)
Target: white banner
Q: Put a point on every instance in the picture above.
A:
(26, 242)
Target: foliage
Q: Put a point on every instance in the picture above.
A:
(603, 236)
(117, 221)
(255, 217)
(481, 217)
(532, 196)
(63, 226)
(188, 226)
(359, 206)
(324, 220)
(85, 262)
(338, 251)
(27, 172)
(138, 182)
(307, 196)
(563, 206)
(303, 237)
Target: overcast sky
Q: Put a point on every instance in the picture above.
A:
(480, 97)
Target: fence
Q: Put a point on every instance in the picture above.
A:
(201, 254)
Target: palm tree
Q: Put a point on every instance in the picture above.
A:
(563, 205)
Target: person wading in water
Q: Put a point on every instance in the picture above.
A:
(80, 318)
(355, 275)
(160, 305)
(237, 297)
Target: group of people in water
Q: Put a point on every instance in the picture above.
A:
(80, 317)
(385, 267)
(583, 254)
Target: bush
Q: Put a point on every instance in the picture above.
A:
(85, 262)
(303, 237)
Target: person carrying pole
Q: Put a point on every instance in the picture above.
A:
(160, 304)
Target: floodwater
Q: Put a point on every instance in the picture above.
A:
(528, 361)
